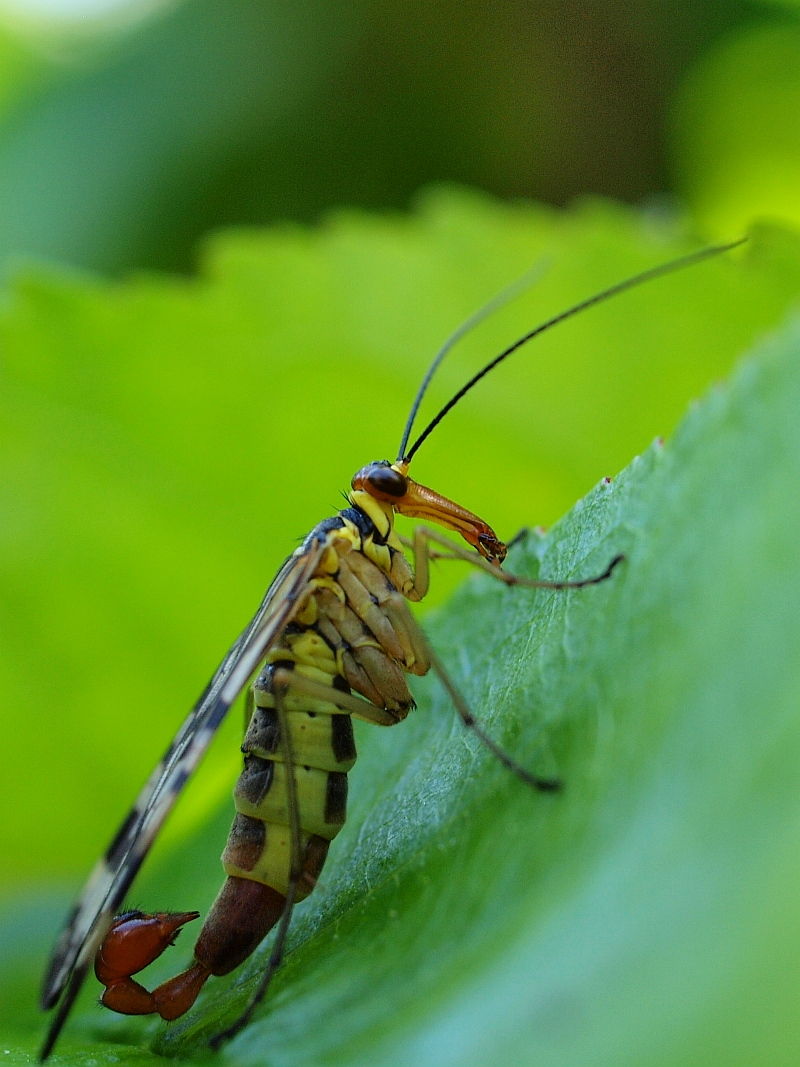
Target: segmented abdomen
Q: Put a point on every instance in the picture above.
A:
(323, 751)
(342, 641)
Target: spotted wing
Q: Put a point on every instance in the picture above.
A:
(112, 876)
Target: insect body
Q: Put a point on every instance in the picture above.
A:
(348, 632)
(332, 638)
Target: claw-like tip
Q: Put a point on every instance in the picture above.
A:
(135, 939)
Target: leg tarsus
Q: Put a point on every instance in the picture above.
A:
(519, 538)
(580, 583)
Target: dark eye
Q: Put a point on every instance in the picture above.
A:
(388, 481)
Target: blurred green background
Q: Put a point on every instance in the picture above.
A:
(166, 437)
(125, 138)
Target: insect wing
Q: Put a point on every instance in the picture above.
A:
(112, 876)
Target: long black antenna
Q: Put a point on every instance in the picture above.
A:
(505, 296)
(598, 298)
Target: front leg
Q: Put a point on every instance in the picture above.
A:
(398, 611)
(420, 544)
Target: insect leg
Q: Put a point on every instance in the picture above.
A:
(423, 535)
(520, 537)
(348, 702)
(397, 610)
(408, 543)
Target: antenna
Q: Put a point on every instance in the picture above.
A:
(598, 298)
(505, 296)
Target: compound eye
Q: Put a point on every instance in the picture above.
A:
(387, 481)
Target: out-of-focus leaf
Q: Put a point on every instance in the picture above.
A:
(19, 71)
(737, 138)
(218, 112)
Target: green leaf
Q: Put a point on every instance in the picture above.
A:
(736, 153)
(161, 438)
(650, 913)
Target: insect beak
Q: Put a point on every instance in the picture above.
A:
(423, 503)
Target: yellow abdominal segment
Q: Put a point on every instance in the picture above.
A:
(342, 641)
